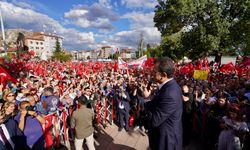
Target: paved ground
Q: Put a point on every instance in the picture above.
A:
(110, 139)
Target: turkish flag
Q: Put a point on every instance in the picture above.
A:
(243, 67)
(5, 76)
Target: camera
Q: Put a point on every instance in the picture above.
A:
(139, 84)
(30, 108)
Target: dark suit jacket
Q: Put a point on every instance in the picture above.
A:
(16, 136)
(165, 118)
(125, 101)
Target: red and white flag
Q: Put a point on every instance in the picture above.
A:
(122, 64)
(5, 76)
(138, 62)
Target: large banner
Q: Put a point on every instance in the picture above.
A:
(201, 74)
(122, 64)
(138, 62)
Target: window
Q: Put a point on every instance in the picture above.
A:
(41, 43)
(31, 47)
(41, 47)
(37, 43)
(31, 42)
(37, 47)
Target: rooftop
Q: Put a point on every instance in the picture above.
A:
(35, 38)
(105, 47)
(47, 34)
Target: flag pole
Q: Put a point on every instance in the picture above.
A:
(3, 33)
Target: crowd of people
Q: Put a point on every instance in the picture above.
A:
(215, 110)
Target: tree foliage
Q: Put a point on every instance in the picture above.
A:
(60, 55)
(114, 56)
(58, 48)
(154, 51)
(199, 27)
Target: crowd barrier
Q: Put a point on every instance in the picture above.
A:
(105, 111)
(57, 127)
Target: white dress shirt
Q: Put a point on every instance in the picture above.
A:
(161, 85)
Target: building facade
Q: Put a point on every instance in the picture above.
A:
(50, 42)
(41, 42)
(105, 52)
(127, 54)
(35, 44)
(95, 54)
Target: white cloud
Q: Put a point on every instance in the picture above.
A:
(105, 3)
(18, 17)
(102, 23)
(75, 13)
(131, 38)
(140, 23)
(94, 16)
(139, 3)
(100, 35)
(23, 4)
(140, 19)
(78, 40)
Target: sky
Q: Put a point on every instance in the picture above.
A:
(86, 24)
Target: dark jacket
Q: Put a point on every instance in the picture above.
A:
(165, 118)
(16, 136)
(125, 101)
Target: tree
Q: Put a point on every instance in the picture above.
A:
(154, 51)
(60, 55)
(114, 56)
(204, 26)
(58, 48)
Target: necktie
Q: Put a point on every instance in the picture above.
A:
(6, 142)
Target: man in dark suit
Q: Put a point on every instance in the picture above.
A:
(123, 108)
(165, 108)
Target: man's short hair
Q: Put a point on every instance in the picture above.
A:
(49, 89)
(166, 65)
(82, 100)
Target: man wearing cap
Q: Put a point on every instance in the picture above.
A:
(81, 121)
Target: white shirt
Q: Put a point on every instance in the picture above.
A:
(161, 85)
(121, 106)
